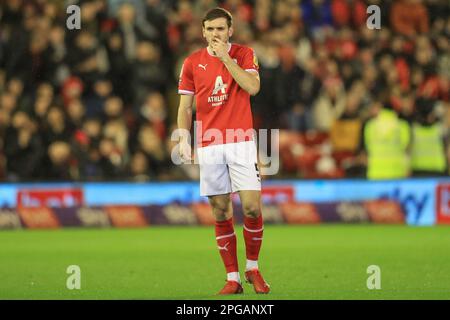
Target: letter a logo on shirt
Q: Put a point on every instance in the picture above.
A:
(219, 86)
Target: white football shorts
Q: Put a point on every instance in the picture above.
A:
(227, 168)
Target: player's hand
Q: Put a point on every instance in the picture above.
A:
(185, 152)
(220, 48)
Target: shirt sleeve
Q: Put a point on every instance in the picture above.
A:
(186, 81)
(250, 61)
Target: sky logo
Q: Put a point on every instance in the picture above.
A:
(413, 203)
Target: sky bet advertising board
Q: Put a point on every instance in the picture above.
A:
(424, 201)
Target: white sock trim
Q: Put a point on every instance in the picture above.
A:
(233, 276)
(225, 236)
(250, 230)
(251, 264)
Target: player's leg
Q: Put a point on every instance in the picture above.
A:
(215, 184)
(253, 236)
(226, 241)
(245, 179)
(253, 226)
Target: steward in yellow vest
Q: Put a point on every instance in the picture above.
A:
(428, 157)
(386, 140)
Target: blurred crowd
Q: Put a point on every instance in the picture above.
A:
(100, 103)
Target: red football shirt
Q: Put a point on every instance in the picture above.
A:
(221, 103)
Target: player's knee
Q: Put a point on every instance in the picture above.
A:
(221, 210)
(222, 216)
(219, 206)
(251, 210)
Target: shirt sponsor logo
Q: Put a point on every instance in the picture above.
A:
(215, 99)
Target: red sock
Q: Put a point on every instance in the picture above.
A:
(226, 242)
(253, 234)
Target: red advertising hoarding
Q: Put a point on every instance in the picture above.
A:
(300, 212)
(385, 211)
(443, 203)
(126, 216)
(39, 218)
(50, 198)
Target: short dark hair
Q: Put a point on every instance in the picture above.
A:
(218, 13)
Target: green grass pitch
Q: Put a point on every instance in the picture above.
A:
(300, 262)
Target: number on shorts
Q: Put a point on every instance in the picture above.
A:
(257, 171)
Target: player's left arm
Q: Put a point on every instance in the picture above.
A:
(247, 80)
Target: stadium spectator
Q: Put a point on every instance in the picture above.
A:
(153, 148)
(131, 32)
(56, 128)
(95, 101)
(316, 16)
(16, 86)
(118, 66)
(86, 150)
(91, 131)
(348, 13)
(148, 72)
(59, 163)
(110, 159)
(266, 104)
(112, 109)
(75, 115)
(58, 49)
(156, 16)
(23, 149)
(329, 105)
(72, 89)
(154, 112)
(139, 167)
(86, 58)
(8, 102)
(117, 131)
(4, 122)
(409, 17)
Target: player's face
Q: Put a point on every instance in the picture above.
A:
(217, 29)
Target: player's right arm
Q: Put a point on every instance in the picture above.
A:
(184, 122)
(186, 89)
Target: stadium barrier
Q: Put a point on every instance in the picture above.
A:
(376, 211)
(53, 205)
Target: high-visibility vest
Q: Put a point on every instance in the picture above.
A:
(387, 138)
(428, 150)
